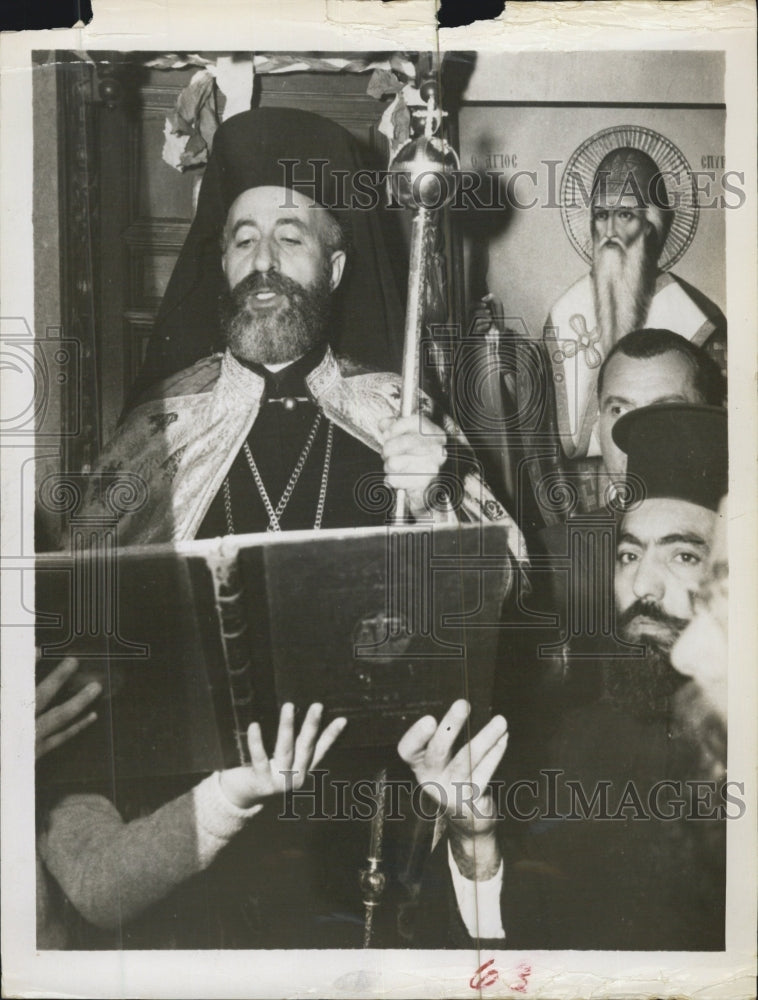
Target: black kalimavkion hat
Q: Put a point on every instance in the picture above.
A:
(250, 150)
(678, 451)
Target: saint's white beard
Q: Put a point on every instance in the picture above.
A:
(623, 283)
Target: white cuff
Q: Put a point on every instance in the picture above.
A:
(218, 819)
(478, 902)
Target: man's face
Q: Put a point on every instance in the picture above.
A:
(629, 383)
(279, 273)
(617, 223)
(659, 564)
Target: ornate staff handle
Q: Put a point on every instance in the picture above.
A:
(424, 180)
(414, 318)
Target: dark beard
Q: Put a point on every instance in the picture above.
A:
(645, 686)
(623, 282)
(277, 336)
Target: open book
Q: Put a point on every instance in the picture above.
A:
(192, 642)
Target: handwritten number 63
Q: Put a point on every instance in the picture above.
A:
(487, 975)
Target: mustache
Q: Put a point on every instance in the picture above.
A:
(266, 281)
(611, 241)
(648, 609)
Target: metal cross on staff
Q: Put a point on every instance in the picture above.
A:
(424, 177)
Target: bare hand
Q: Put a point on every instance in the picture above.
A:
(457, 784)
(293, 758)
(55, 726)
(414, 451)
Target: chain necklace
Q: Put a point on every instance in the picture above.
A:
(275, 514)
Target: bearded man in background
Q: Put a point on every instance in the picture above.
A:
(624, 845)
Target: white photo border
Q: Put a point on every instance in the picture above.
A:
(331, 26)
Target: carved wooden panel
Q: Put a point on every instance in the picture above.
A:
(79, 240)
(147, 216)
(153, 248)
(342, 98)
(138, 326)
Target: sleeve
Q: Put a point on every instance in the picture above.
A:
(111, 870)
(478, 902)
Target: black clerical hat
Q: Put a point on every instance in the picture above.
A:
(281, 147)
(678, 451)
(248, 151)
